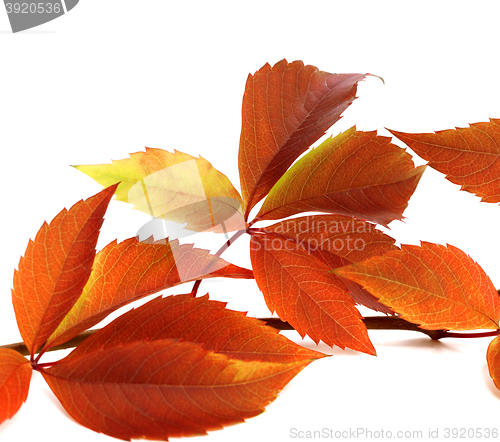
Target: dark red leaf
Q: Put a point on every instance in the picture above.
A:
(338, 241)
(303, 292)
(164, 388)
(204, 322)
(286, 108)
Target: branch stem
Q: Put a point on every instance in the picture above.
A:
(219, 252)
(396, 323)
(371, 322)
(21, 348)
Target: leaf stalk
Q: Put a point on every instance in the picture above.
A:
(219, 252)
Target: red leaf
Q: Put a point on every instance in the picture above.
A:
(164, 388)
(201, 321)
(56, 267)
(338, 241)
(356, 174)
(193, 390)
(493, 360)
(15, 377)
(130, 270)
(434, 286)
(302, 291)
(346, 238)
(286, 108)
(469, 156)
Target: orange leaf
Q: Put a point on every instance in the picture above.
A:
(432, 285)
(286, 108)
(302, 292)
(364, 297)
(469, 156)
(338, 241)
(15, 377)
(130, 270)
(201, 321)
(56, 267)
(164, 388)
(356, 174)
(493, 359)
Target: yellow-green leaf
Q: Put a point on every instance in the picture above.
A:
(174, 186)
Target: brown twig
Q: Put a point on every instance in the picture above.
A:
(371, 322)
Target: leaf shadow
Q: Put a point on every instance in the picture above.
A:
(421, 343)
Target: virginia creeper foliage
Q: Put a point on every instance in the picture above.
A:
(358, 174)
(468, 156)
(409, 280)
(286, 108)
(182, 365)
(131, 270)
(56, 267)
(15, 377)
(175, 186)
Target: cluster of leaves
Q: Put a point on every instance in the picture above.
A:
(183, 365)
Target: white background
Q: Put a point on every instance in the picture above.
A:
(113, 76)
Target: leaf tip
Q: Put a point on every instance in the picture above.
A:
(113, 186)
(394, 132)
(376, 76)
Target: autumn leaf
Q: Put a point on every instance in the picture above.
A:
(493, 360)
(347, 239)
(15, 377)
(286, 108)
(124, 272)
(338, 241)
(469, 156)
(164, 388)
(201, 321)
(178, 366)
(357, 174)
(299, 288)
(174, 186)
(364, 297)
(431, 285)
(56, 267)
